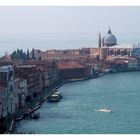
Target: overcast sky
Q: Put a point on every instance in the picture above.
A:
(20, 20)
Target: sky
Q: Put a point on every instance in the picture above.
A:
(65, 27)
(25, 20)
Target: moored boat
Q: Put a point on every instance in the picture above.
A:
(29, 111)
(55, 97)
(33, 116)
(19, 118)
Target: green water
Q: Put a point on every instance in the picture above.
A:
(76, 112)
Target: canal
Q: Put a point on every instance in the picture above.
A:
(77, 112)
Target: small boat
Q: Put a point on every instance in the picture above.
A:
(55, 97)
(32, 116)
(29, 111)
(105, 110)
(101, 74)
(19, 118)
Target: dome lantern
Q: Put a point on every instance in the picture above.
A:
(109, 31)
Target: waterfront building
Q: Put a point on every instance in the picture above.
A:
(3, 107)
(96, 66)
(49, 70)
(3, 101)
(116, 66)
(8, 95)
(32, 75)
(119, 51)
(126, 64)
(136, 51)
(110, 50)
(7, 78)
(74, 70)
(21, 84)
(132, 64)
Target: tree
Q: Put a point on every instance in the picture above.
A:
(20, 54)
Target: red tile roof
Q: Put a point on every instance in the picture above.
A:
(39, 62)
(70, 65)
(6, 58)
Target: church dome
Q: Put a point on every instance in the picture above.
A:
(109, 39)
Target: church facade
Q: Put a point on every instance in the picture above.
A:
(108, 48)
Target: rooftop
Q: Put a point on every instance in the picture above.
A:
(26, 66)
(131, 46)
(6, 58)
(39, 62)
(70, 65)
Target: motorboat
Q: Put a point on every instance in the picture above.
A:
(105, 110)
(55, 97)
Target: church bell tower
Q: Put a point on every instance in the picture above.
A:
(99, 41)
(99, 45)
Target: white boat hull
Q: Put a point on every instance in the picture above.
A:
(105, 110)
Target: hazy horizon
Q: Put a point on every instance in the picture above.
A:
(30, 26)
